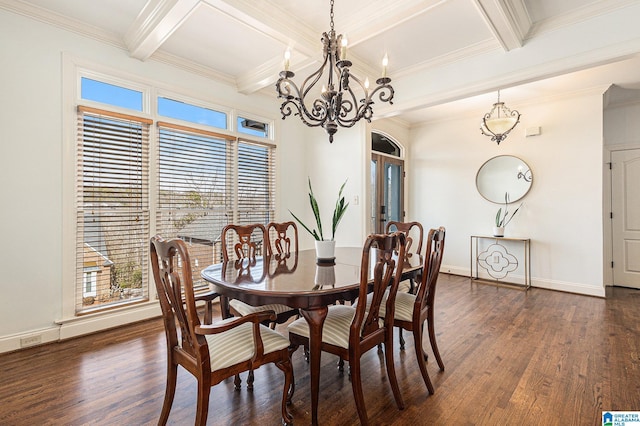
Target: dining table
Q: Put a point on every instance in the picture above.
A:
(301, 281)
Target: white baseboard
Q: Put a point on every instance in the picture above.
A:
(579, 288)
(15, 342)
(90, 324)
(568, 287)
(454, 270)
(79, 326)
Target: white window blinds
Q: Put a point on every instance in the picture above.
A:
(112, 208)
(256, 183)
(201, 181)
(195, 195)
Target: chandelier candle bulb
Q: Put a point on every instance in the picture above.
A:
(287, 58)
(385, 62)
(343, 49)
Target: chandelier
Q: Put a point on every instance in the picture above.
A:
(498, 122)
(338, 104)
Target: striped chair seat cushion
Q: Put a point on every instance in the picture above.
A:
(336, 327)
(236, 345)
(244, 309)
(403, 309)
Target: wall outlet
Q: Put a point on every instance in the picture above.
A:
(30, 341)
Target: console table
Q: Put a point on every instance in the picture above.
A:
(496, 259)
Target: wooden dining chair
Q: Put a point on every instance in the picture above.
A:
(283, 248)
(350, 331)
(283, 239)
(211, 352)
(242, 244)
(415, 234)
(245, 242)
(411, 311)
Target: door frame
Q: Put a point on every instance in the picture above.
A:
(381, 159)
(607, 223)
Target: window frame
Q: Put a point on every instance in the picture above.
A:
(73, 70)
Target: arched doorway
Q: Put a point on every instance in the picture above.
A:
(387, 181)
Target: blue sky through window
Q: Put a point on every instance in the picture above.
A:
(192, 113)
(110, 94)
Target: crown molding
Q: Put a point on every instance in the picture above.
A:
(51, 18)
(589, 11)
(475, 49)
(193, 67)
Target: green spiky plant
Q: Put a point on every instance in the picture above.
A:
(503, 220)
(338, 212)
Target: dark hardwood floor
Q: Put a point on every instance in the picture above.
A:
(511, 357)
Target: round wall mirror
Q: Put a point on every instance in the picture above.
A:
(504, 174)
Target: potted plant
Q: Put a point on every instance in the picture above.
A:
(502, 220)
(324, 248)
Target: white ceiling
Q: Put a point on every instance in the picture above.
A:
(444, 55)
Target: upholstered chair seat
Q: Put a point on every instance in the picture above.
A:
(246, 309)
(237, 345)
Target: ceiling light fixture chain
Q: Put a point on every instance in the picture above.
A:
(336, 106)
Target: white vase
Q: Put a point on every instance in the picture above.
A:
(498, 231)
(325, 276)
(325, 249)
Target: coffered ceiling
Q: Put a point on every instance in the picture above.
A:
(442, 53)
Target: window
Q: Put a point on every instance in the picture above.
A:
(253, 127)
(192, 113)
(194, 200)
(110, 94)
(256, 181)
(112, 210)
(90, 278)
(201, 181)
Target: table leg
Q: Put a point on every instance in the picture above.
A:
(315, 318)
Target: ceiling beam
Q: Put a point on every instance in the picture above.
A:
(508, 21)
(155, 23)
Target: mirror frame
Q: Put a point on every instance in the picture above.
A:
(500, 173)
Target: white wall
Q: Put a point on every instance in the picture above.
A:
(31, 166)
(329, 165)
(562, 214)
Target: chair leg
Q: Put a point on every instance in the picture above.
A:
(391, 372)
(237, 382)
(401, 337)
(420, 357)
(340, 364)
(202, 406)
(306, 353)
(356, 385)
(169, 393)
(432, 340)
(250, 379)
(289, 387)
(208, 312)
(224, 307)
